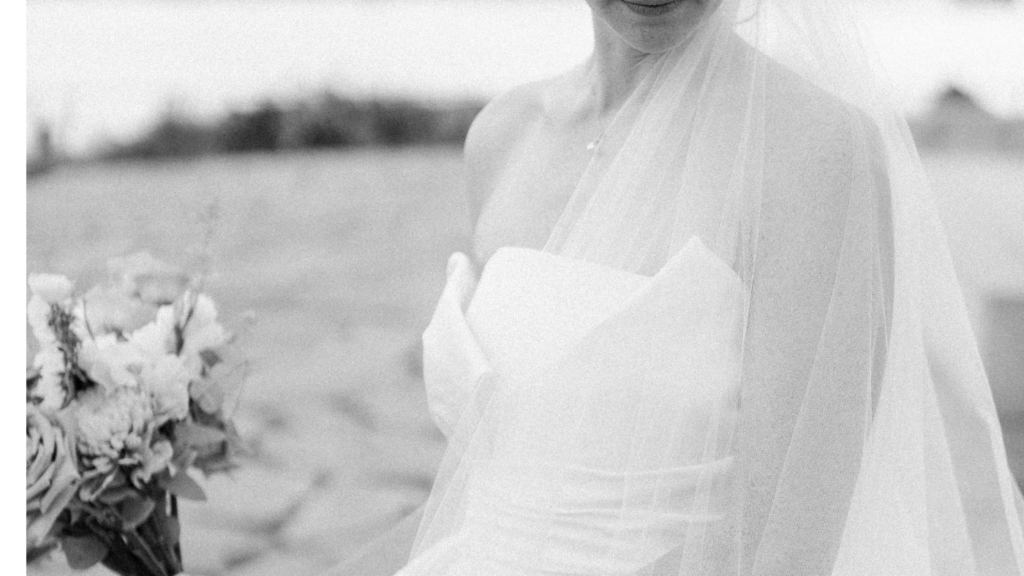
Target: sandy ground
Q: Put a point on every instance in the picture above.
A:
(340, 257)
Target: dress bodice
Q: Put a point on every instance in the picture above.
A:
(530, 307)
(594, 406)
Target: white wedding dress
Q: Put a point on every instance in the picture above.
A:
(796, 391)
(574, 350)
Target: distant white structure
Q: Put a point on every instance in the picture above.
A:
(958, 122)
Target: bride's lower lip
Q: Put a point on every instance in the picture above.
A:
(653, 9)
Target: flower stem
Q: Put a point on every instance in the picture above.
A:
(157, 531)
(177, 539)
(139, 544)
(120, 557)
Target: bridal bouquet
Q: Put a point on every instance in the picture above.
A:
(129, 392)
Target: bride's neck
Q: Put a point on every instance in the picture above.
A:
(613, 70)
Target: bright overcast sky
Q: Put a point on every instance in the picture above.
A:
(101, 69)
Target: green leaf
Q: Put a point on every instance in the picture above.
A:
(83, 551)
(184, 456)
(198, 435)
(114, 496)
(134, 511)
(183, 486)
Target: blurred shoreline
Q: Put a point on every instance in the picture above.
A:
(329, 120)
(323, 121)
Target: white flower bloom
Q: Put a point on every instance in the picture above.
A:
(168, 379)
(39, 320)
(79, 326)
(113, 310)
(113, 428)
(111, 363)
(202, 332)
(148, 279)
(52, 288)
(205, 311)
(156, 338)
(50, 363)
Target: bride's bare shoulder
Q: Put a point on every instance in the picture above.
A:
(502, 121)
(495, 134)
(812, 136)
(807, 117)
(823, 157)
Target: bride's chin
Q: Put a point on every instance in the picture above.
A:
(657, 26)
(656, 41)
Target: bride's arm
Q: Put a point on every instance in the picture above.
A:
(823, 277)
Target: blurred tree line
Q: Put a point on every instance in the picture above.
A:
(328, 120)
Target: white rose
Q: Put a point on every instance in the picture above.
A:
(156, 338)
(112, 310)
(52, 288)
(51, 475)
(111, 363)
(168, 381)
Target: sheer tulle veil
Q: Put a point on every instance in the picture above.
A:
(863, 433)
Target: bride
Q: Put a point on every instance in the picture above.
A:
(709, 325)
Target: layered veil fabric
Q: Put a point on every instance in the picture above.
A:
(784, 382)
